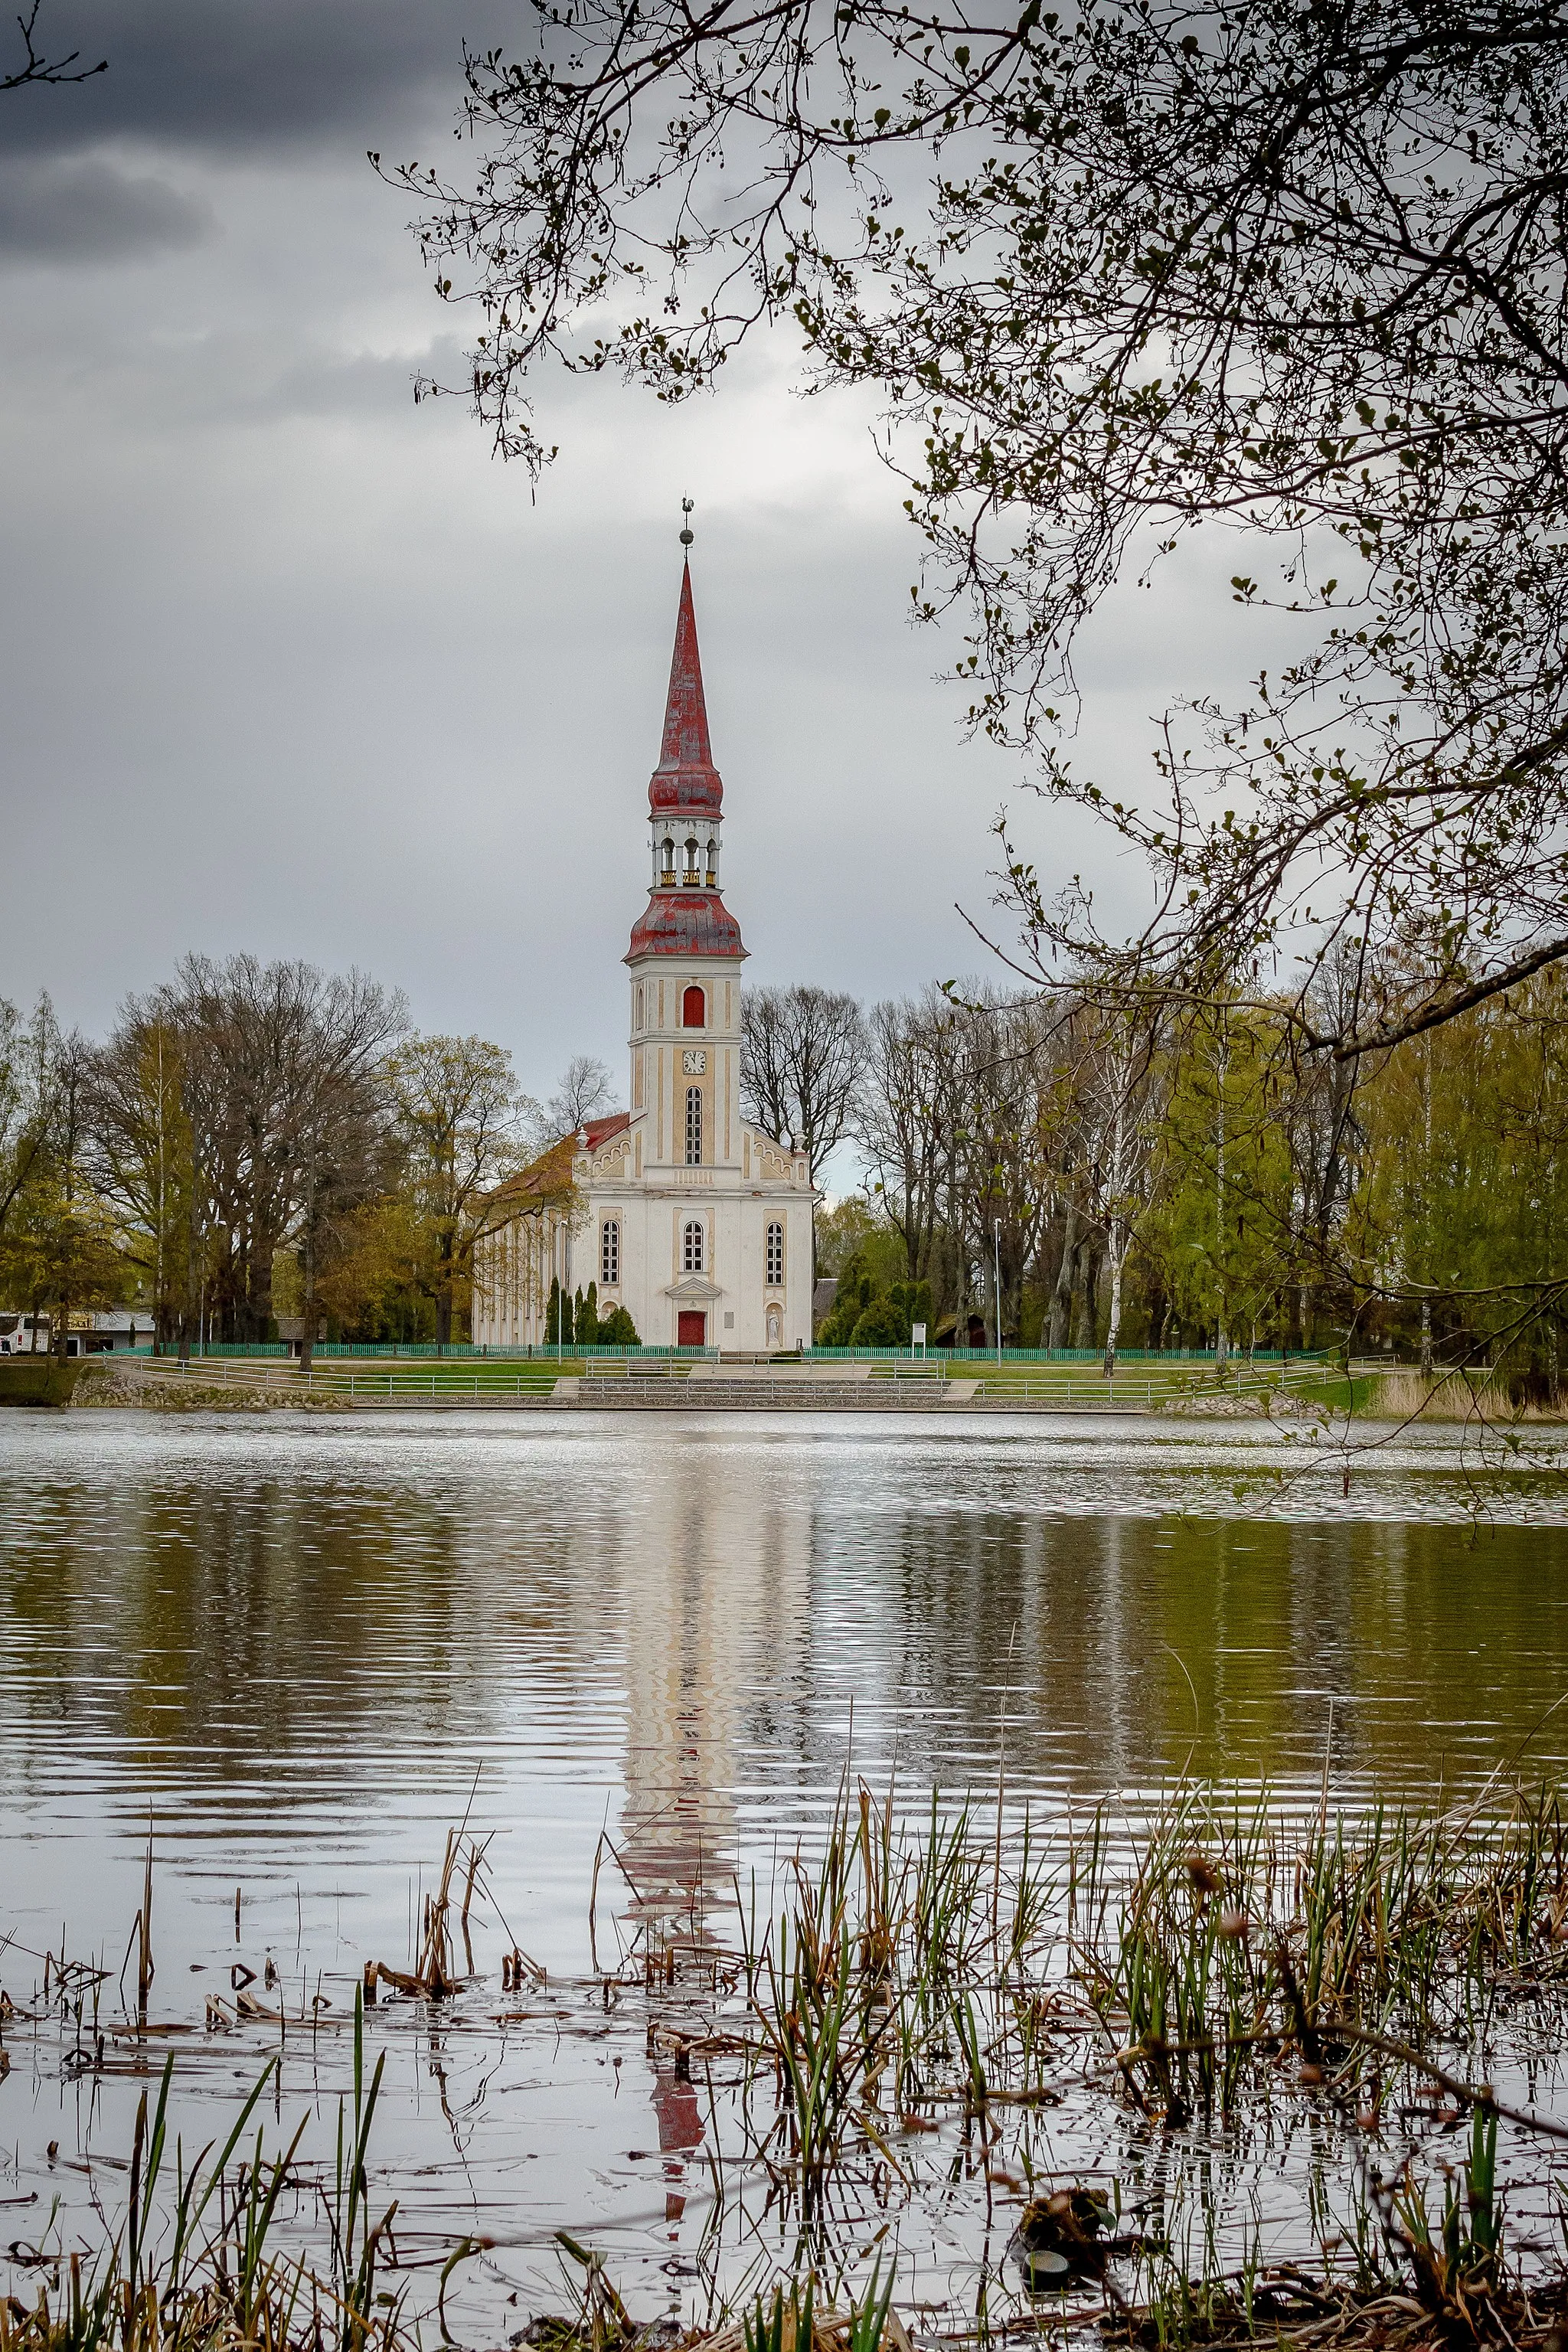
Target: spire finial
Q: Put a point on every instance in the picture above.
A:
(687, 533)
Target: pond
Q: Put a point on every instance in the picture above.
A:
(296, 1653)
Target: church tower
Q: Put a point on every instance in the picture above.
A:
(685, 960)
(679, 1210)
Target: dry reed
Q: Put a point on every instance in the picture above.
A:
(1448, 1397)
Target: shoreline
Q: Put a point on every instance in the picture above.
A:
(231, 1388)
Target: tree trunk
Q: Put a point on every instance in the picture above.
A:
(1084, 1316)
(1116, 1255)
(1061, 1295)
(190, 1284)
(308, 1315)
(1426, 1205)
(259, 1304)
(1220, 1348)
(444, 1296)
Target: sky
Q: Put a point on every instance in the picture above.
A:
(296, 667)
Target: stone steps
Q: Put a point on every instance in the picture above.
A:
(754, 1395)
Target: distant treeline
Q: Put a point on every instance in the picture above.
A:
(1145, 1174)
(256, 1145)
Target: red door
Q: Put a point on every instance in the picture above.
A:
(690, 1329)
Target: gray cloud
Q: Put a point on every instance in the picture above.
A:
(69, 209)
(292, 665)
(233, 76)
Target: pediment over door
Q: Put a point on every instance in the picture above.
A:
(693, 1290)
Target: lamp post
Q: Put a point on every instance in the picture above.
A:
(996, 1272)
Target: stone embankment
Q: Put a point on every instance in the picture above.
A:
(163, 1387)
(463, 1385)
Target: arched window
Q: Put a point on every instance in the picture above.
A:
(691, 874)
(774, 1257)
(691, 1246)
(712, 855)
(694, 1127)
(610, 1251)
(669, 854)
(694, 1009)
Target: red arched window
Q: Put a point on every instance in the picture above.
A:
(694, 1009)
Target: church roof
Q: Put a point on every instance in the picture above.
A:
(601, 1131)
(685, 923)
(548, 1177)
(685, 777)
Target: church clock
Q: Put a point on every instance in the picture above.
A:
(694, 1061)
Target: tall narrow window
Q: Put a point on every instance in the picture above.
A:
(694, 1008)
(694, 1127)
(668, 856)
(691, 1248)
(775, 1256)
(610, 1251)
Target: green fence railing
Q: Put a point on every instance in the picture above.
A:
(422, 1350)
(464, 1351)
(1065, 1355)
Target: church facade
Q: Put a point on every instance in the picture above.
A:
(680, 1210)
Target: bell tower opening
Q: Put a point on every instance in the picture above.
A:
(694, 1008)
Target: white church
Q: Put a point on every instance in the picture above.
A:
(692, 1219)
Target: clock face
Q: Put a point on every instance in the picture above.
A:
(694, 1061)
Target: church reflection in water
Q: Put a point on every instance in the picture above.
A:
(716, 1574)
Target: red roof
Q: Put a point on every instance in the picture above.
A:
(685, 777)
(548, 1178)
(685, 923)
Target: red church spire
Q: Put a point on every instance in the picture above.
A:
(685, 915)
(685, 777)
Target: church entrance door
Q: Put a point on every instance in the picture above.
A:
(690, 1329)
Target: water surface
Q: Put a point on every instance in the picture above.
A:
(300, 1650)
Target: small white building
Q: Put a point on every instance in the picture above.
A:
(89, 1334)
(679, 1210)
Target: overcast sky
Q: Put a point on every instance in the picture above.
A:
(294, 666)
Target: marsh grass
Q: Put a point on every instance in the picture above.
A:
(943, 1963)
(1223, 1965)
(1238, 1937)
(204, 2274)
(900, 2010)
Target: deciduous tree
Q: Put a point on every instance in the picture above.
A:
(802, 1058)
(1117, 272)
(461, 1112)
